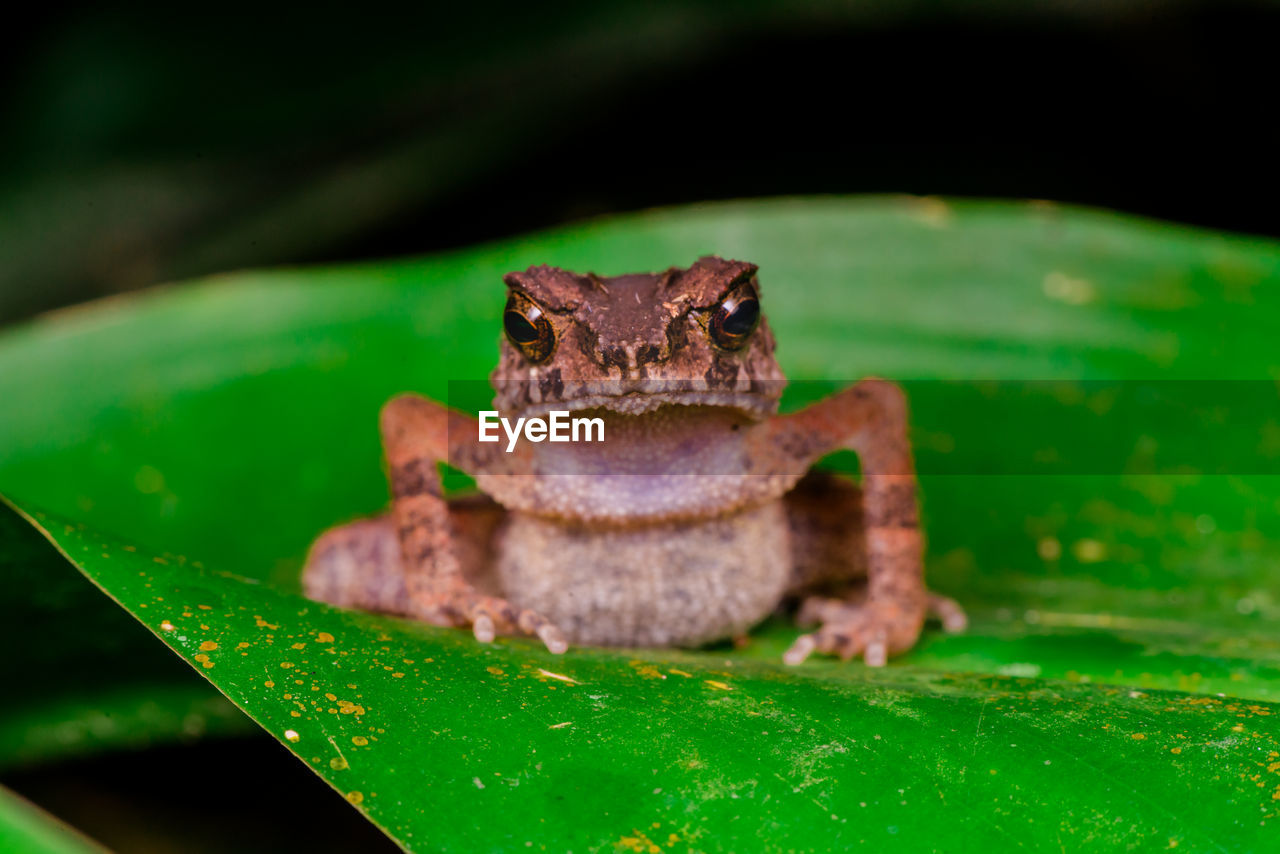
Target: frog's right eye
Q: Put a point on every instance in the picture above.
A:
(528, 328)
(736, 318)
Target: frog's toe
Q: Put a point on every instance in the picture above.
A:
(534, 624)
(556, 642)
(948, 612)
(490, 616)
(483, 629)
(800, 650)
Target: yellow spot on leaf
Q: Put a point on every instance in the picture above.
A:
(324, 637)
(648, 670)
(639, 843)
(1089, 551)
(209, 646)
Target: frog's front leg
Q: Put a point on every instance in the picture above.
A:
(418, 434)
(869, 418)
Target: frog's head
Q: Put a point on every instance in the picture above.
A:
(633, 343)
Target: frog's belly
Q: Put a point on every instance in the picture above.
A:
(667, 584)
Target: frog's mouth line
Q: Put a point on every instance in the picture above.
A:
(753, 406)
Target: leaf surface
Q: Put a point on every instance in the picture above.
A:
(26, 829)
(229, 421)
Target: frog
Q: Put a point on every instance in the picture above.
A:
(699, 515)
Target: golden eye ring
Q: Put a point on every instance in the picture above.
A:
(528, 328)
(736, 318)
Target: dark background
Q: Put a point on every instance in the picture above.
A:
(149, 141)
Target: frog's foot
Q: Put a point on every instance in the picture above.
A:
(489, 616)
(876, 630)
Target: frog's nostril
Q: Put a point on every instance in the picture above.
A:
(614, 357)
(648, 354)
(631, 356)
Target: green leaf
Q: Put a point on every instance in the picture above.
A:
(448, 744)
(26, 829)
(81, 674)
(231, 420)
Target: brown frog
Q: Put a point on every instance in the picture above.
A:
(693, 519)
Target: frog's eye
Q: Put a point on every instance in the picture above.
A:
(528, 328)
(736, 318)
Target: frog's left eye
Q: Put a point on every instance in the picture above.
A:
(736, 317)
(528, 328)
